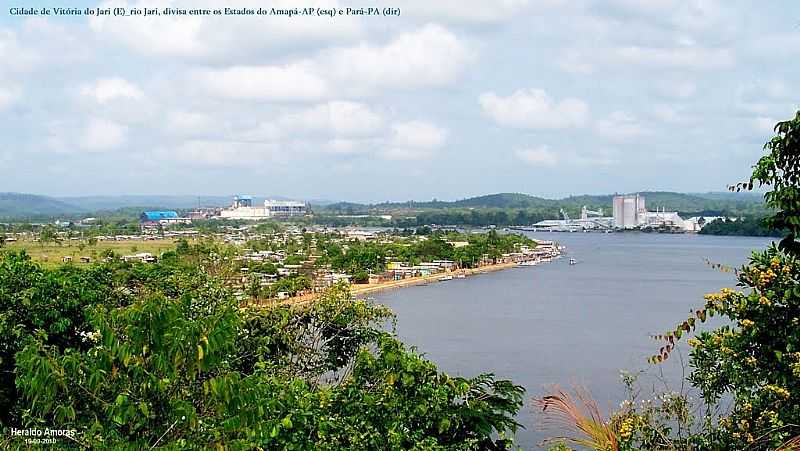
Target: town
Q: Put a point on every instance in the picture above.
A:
(270, 257)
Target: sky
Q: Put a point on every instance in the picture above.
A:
(453, 98)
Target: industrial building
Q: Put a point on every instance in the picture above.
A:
(284, 208)
(629, 211)
(161, 218)
(242, 208)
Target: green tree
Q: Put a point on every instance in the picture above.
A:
(137, 356)
(48, 234)
(779, 170)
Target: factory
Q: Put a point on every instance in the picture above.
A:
(161, 218)
(242, 208)
(629, 213)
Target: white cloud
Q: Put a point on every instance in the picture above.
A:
(16, 58)
(263, 132)
(339, 118)
(291, 82)
(9, 95)
(620, 126)
(682, 89)
(765, 124)
(429, 56)
(414, 140)
(471, 11)
(666, 113)
(534, 109)
(688, 57)
(574, 62)
(343, 146)
(774, 45)
(222, 38)
(223, 153)
(190, 123)
(538, 156)
(102, 135)
(544, 156)
(107, 89)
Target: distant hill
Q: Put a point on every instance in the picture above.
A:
(31, 206)
(34, 207)
(681, 202)
(97, 203)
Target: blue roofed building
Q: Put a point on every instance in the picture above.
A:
(155, 218)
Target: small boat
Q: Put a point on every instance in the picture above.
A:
(572, 261)
(528, 263)
(445, 278)
(461, 276)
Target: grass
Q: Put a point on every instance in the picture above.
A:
(580, 417)
(51, 254)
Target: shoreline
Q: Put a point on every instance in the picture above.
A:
(361, 290)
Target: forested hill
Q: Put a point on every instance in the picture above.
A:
(19, 206)
(685, 203)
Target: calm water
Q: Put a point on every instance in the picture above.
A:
(565, 324)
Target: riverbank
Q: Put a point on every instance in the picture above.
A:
(361, 290)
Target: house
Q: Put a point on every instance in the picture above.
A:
(144, 257)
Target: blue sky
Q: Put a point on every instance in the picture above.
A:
(452, 99)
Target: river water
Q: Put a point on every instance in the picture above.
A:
(569, 324)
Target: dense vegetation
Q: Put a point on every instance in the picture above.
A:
(748, 226)
(135, 356)
(373, 256)
(514, 209)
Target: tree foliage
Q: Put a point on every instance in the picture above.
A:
(134, 356)
(779, 170)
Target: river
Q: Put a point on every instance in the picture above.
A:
(569, 324)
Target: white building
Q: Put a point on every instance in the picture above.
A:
(663, 220)
(284, 208)
(629, 211)
(242, 208)
(696, 223)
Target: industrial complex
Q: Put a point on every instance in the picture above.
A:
(629, 213)
(242, 208)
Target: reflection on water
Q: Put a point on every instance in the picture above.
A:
(564, 324)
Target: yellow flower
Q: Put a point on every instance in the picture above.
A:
(626, 428)
(693, 342)
(763, 300)
(779, 391)
(747, 323)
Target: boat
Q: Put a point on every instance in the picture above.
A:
(461, 276)
(528, 263)
(445, 278)
(572, 261)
